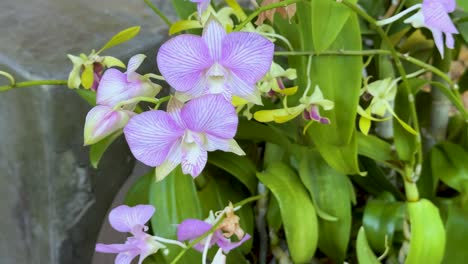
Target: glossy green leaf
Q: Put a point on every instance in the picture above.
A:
(321, 180)
(215, 194)
(328, 19)
(463, 4)
(184, 25)
(449, 162)
(382, 218)
(121, 37)
(457, 235)
(274, 214)
(97, 150)
(339, 78)
(427, 242)
(374, 148)
(184, 8)
(239, 166)
(175, 199)
(252, 130)
(297, 210)
(139, 191)
(364, 251)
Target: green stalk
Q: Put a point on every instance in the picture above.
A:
(158, 12)
(32, 83)
(410, 185)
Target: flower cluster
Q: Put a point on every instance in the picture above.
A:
(114, 96)
(132, 220)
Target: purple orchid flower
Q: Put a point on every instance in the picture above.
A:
(112, 113)
(183, 135)
(132, 220)
(434, 16)
(216, 63)
(202, 5)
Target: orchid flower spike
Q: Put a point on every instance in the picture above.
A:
(202, 5)
(183, 135)
(132, 220)
(432, 14)
(191, 229)
(115, 87)
(216, 63)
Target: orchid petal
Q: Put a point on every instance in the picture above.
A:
(219, 258)
(114, 88)
(182, 61)
(151, 135)
(191, 229)
(174, 158)
(126, 257)
(240, 88)
(194, 160)
(134, 63)
(438, 40)
(228, 145)
(226, 243)
(211, 114)
(124, 218)
(101, 121)
(436, 17)
(114, 248)
(213, 35)
(247, 55)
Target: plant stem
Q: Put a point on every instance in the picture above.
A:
(158, 12)
(32, 83)
(263, 9)
(410, 186)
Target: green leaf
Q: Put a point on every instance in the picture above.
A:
(175, 199)
(87, 95)
(274, 214)
(139, 191)
(97, 150)
(184, 25)
(297, 210)
(121, 37)
(216, 193)
(449, 163)
(405, 142)
(339, 78)
(382, 218)
(184, 8)
(364, 252)
(463, 4)
(427, 242)
(321, 180)
(328, 19)
(457, 235)
(374, 148)
(238, 166)
(252, 130)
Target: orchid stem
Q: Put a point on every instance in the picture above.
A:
(158, 12)
(263, 9)
(32, 83)
(410, 185)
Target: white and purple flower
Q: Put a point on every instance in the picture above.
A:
(202, 5)
(183, 135)
(115, 87)
(432, 14)
(191, 229)
(216, 63)
(132, 220)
